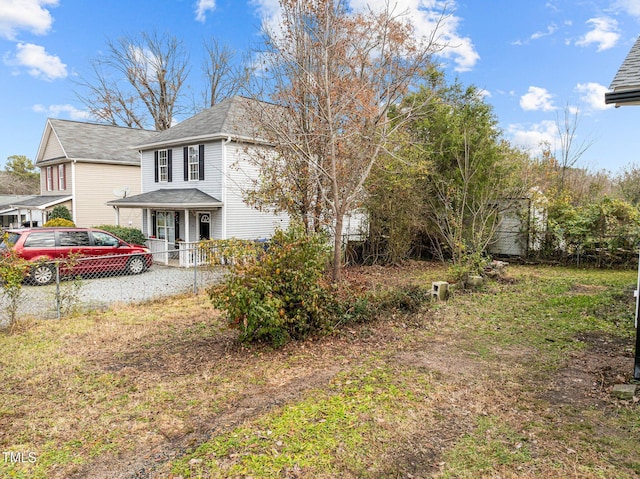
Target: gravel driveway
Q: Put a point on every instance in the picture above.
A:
(97, 293)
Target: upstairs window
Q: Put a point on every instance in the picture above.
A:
(194, 163)
(163, 166)
(49, 177)
(62, 185)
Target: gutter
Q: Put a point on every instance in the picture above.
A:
(622, 97)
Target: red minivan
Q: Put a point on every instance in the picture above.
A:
(79, 250)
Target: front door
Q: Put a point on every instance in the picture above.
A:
(204, 220)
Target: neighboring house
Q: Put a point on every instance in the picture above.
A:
(194, 175)
(12, 216)
(85, 165)
(522, 226)
(626, 83)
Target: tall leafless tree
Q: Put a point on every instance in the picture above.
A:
(338, 74)
(224, 77)
(138, 82)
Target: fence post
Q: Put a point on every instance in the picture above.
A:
(58, 306)
(195, 272)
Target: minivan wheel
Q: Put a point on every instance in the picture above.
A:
(42, 274)
(136, 265)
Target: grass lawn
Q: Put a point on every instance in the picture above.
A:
(513, 380)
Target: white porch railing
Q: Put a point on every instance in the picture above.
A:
(162, 250)
(192, 253)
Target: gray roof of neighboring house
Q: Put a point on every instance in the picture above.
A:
(43, 201)
(168, 198)
(7, 200)
(626, 83)
(97, 142)
(234, 117)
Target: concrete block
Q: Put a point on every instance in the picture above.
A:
(475, 282)
(624, 391)
(440, 290)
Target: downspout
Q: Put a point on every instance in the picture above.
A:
(224, 187)
(74, 205)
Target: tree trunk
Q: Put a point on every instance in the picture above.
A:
(337, 249)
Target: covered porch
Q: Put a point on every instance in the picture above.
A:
(33, 210)
(175, 221)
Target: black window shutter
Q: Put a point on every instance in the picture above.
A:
(169, 165)
(201, 162)
(185, 157)
(155, 166)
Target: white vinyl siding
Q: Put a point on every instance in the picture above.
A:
(243, 221)
(211, 185)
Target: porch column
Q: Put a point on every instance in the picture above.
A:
(149, 222)
(186, 226)
(117, 215)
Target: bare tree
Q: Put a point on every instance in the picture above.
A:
(338, 74)
(139, 81)
(570, 150)
(223, 77)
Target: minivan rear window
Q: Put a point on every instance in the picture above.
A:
(40, 239)
(10, 238)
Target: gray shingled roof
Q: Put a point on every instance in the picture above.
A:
(98, 142)
(628, 75)
(41, 201)
(168, 198)
(7, 200)
(235, 117)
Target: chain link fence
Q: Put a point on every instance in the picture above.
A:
(55, 289)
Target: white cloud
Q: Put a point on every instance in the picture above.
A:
(551, 29)
(202, 7)
(58, 111)
(38, 62)
(29, 15)
(425, 16)
(605, 33)
(532, 137)
(631, 7)
(592, 94)
(537, 99)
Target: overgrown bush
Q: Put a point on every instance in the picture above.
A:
(59, 222)
(281, 294)
(60, 211)
(13, 271)
(128, 234)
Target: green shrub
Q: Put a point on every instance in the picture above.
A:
(13, 271)
(60, 211)
(130, 235)
(59, 222)
(281, 294)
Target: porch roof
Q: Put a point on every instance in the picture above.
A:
(40, 202)
(169, 198)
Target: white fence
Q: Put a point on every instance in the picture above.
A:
(183, 254)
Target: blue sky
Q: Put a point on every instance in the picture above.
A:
(531, 58)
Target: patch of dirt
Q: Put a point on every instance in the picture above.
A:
(586, 288)
(589, 375)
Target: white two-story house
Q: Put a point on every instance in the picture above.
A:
(194, 175)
